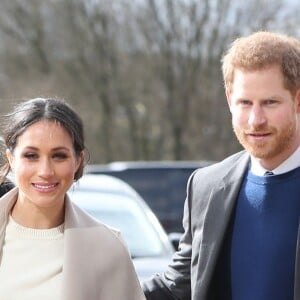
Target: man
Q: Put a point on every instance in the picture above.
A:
(241, 227)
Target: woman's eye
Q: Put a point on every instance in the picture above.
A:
(60, 156)
(31, 156)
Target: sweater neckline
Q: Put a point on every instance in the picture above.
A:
(274, 178)
(33, 233)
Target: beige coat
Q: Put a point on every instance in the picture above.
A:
(96, 262)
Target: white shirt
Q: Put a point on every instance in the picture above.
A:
(289, 164)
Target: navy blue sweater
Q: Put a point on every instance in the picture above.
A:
(257, 261)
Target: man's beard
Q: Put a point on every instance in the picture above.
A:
(273, 146)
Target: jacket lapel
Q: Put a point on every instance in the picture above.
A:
(96, 264)
(6, 204)
(220, 207)
(76, 258)
(221, 204)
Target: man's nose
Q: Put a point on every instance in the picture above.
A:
(257, 116)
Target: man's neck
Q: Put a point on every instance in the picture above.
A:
(291, 162)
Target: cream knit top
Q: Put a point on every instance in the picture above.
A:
(31, 263)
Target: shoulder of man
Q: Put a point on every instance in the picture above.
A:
(218, 170)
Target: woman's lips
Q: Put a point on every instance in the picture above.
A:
(45, 187)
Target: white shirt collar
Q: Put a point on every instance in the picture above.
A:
(289, 164)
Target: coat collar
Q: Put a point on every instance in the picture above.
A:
(7, 202)
(222, 200)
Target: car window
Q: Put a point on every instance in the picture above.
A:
(164, 190)
(123, 213)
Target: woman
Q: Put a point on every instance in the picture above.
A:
(51, 249)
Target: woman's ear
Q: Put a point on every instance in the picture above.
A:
(80, 160)
(10, 158)
(79, 165)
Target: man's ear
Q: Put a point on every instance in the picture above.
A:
(228, 97)
(297, 100)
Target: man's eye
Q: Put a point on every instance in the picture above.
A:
(270, 101)
(245, 102)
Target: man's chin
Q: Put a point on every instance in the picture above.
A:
(258, 152)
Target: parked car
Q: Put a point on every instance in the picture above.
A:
(7, 183)
(6, 186)
(161, 183)
(115, 203)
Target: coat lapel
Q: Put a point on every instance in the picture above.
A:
(76, 256)
(96, 264)
(221, 202)
(7, 202)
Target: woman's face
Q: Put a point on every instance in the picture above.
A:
(44, 164)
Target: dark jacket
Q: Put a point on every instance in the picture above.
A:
(211, 196)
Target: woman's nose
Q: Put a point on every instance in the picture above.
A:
(45, 168)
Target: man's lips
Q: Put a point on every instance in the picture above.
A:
(258, 136)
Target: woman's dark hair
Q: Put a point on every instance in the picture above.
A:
(38, 109)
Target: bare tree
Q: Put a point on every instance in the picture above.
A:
(187, 40)
(144, 75)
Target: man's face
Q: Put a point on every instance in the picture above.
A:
(265, 115)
